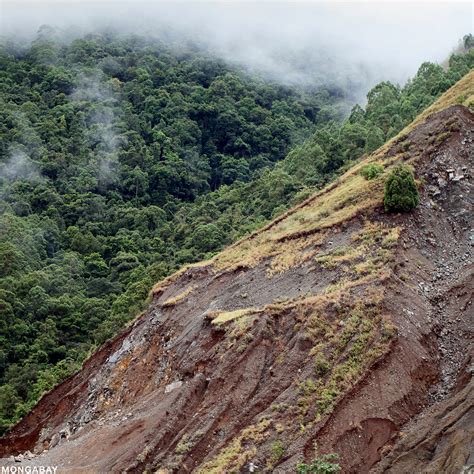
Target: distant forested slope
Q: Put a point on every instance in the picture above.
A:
(123, 159)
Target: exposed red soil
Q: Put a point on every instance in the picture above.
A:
(410, 411)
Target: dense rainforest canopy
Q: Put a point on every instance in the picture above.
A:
(122, 159)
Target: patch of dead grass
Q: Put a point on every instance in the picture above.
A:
(239, 451)
(179, 297)
(221, 317)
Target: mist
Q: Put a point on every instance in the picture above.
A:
(101, 131)
(19, 166)
(352, 45)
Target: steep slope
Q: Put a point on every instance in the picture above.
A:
(337, 325)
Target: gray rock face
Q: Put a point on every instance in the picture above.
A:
(173, 386)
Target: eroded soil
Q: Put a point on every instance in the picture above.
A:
(367, 353)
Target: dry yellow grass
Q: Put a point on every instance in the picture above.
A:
(342, 352)
(352, 196)
(163, 284)
(222, 317)
(338, 256)
(294, 252)
(180, 297)
(239, 451)
(348, 196)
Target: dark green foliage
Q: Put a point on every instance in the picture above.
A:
(321, 366)
(321, 465)
(468, 41)
(371, 171)
(401, 192)
(122, 159)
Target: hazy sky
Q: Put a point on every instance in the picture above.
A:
(289, 40)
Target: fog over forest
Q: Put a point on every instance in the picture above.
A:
(353, 45)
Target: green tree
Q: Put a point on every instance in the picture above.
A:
(9, 400)
(401, 192)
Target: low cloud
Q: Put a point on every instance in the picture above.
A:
(352, 44)
(19, 166)
(102, 127)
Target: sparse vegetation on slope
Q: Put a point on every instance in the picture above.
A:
(240, 451)
(346, 325)
(179, 297)
(324, 464)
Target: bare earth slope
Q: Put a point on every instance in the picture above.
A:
(337, 325)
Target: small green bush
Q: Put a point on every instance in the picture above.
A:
(278, 450)
(401, 193)
(321, 365)
(371, 171)
(321, 465)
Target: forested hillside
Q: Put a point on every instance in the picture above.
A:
(123, 159)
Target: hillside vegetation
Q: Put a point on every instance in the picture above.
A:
(339, 333)
(123, 159)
